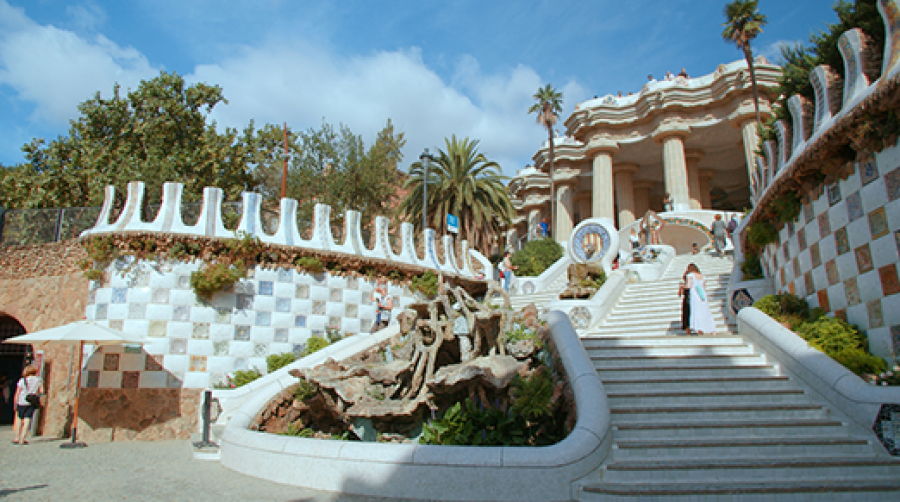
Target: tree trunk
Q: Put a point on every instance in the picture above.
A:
(552, 182)
(748, 55)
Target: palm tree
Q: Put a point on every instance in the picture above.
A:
(548, 106)
(743, 24)
(462, 182)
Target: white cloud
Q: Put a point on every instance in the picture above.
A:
(56, 69)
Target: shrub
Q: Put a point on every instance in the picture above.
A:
(333, 334)
(751, 267)
(277, 361)
(537, 256)
(309, 264)
(305, 390)
(243, 377)
(519, 333)
(787, 206)
(781, 305)
(314, 344)
(214, 277)
(761, 233)
(426, 283)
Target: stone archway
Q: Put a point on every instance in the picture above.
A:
(12, 360)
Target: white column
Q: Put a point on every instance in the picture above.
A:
(751, 143)
(672, 136)
(624, 174)
(534, 218)
(693, 157)
(602, 202)
(641, 196)
(705, 175)
(565, 209)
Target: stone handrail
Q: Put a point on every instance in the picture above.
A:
(436, 472)
(846, 391)
(211, 224)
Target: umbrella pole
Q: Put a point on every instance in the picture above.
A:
(74, 443)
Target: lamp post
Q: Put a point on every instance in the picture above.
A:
(426, 159)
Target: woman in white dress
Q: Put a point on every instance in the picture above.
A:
(701, 317)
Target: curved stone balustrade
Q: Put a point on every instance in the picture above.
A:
(211, 224)
(835, 98)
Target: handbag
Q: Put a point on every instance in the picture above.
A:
(33, 400)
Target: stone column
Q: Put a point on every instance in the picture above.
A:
(693, 157)
(624, 174)
(671, 136)
(565, 211)
(534, 218)
(602, 202)
(641, 196)
(751, 143)
(704, 176)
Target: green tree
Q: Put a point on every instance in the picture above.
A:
(548, 106)
(462, 182)
(743, 23)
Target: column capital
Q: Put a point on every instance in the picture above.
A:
(671, 128)
(625, 167)
(746, 113)
(566, 175)
(599, 145)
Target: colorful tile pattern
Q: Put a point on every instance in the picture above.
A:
(868, 170)
(841, 240)
(854, 206)
(834, 194)
(878, 223)
(892, 184)
(890, 285)
(863, 258)
(824, 225)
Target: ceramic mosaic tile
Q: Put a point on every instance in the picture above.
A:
(808, 283)
(117, 324)
(298, 348)
(151, 363)
(863, 259)
(824, 225)
(201, 331)
(868, 170)
(814, 255)
(137, 310)
(854, 206)
(133, 348)
(223, 315)
(220, 347)
(266, 288)
(795, 264)
(792, 289)
(580, 317)
(834, 194)
(260, 349)
(878, 223)
(282, 335)
(282, 305)
(177, 346)
(831, 271)
(892, 184)
(174, 379)
(318, 308)
(841, 314)
(336, 295)
(263, 318)
(876, 316)
(801, 239)
(181, 313)
(353, 283)
(130, 379)
(302, 291)
(334, 322)
(198, 363)
(285, 275)
(895, 338)
(300, 321)
(93, 379)
(851, 291)
(183, 281)
(808, 212)
(242, 333)
(160, 295)
(110, 362)
(890, 285)
(243, 301)
(841, 240)
(351, 310)
(822, 295)
(119, 295)
(157, 329)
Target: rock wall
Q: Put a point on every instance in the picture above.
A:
(138, 414)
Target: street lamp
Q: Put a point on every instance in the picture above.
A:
(426, 159)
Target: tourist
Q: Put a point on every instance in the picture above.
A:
(695, 249)
(719, 231)
(635, 241)
(506, 268)
(29, 385)
(545, 227)
(669, 75)
(683, 73)
(732, 226)
(700, 315)
(668, 203)
(383, 305)
(684, 293)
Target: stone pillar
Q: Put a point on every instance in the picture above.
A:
(751, 143)
(602, 202)
(624, 174)
(693, 157)
(565, 211)
(671, 136)
(641, 196)
(704, 176)
(534, 218)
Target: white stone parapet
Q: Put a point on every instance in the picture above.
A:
(211, 224)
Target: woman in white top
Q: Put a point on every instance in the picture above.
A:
(30, 383)
(701, 317)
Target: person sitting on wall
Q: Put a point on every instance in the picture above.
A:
(383, 306)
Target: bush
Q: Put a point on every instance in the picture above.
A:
(787, 206)
(305, 390)
(537, 256)
(309, 264)
(215, 277)
(751, 267)
(426, 283)
(314, 344)
(243, 377)
(519, 333)
(277, 361)
(761, 234)
(779, 306)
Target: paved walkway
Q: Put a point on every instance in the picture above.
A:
(137, 471)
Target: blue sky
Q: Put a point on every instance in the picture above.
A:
(436, 68)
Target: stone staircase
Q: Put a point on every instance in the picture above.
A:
(711, 417)
(518, 300)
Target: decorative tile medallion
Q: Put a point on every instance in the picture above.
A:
(131, 379)
(298, 348)
(876, 314)
(300, 321)
(242, 333)
(334, 322)
(266, 288)
(824, 225)
(890, 285)
(863, 259)
(285, 275)
(892, 184)
(814, 256)
(220, 347)
(878, 223)
(851, 290)
(263, 318)
(318, 307)
(198, 363)
(137, 310)
(282, 335)
(842, 241)
(302, 291)
(336, 295)
(183, 281)
(156, 329)
(110, 362)
(580, 317)
(887, 427)
(282, 304)
(200, 331)
(834, 194)
(181, 313)
(831, 271)
(528, 288)
(740, 299)
(260, 349)
(854, 207)
(160, 295)
(118, 295)
(351, 310)
(118, 324)
(868, 170)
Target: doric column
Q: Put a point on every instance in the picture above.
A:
(641, 196)
(671, 136)
(705, 175)
(693, 157)
(534, 218)
(602, 202)
(624, 174)
(565, 211)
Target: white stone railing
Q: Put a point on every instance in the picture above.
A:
(835, 98)
(211, 224)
